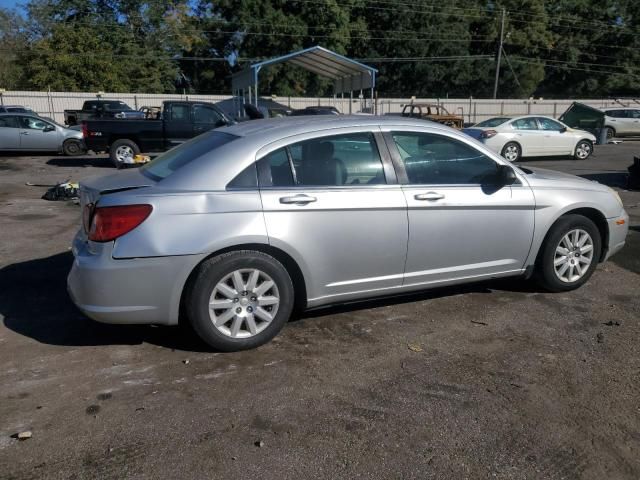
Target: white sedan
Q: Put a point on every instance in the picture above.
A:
(532, 136)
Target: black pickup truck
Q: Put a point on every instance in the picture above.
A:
(95, 109)
(179, 121)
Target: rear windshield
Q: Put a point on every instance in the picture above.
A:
(493, 122)
(164, 165)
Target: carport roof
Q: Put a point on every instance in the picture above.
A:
(348, 75)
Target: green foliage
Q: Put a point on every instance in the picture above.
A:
(569, 48)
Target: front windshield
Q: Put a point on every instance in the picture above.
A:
(176, 158)
(492, 122)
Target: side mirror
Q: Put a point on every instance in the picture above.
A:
(563, 129)
(49, 128)
(506, 175)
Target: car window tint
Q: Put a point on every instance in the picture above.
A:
(492, 122)
(525, 124)
(204, 114)
(431, 159)
(248, 178)
(634, 113)
(277, 163)
(164, 165)
(179, 113)
(33, 123)
(548, 124)
(350, 159)
(9, 122)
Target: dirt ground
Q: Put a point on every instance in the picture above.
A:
(501, 381)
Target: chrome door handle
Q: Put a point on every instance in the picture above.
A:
(298, 199)
(431, 196)
(24, 133)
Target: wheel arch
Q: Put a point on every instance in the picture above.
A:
(593, 214)
(292, 267)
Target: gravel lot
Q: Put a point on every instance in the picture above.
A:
(501, 380)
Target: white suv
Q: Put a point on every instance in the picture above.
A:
(622, 121)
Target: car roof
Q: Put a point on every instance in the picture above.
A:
(276, 128)
(621, 108)
(20, 114)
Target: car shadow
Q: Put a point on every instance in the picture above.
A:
(81, 162)
(614, 179)
(34, 302)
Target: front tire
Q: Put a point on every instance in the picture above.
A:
(122, 152)
(570, 254)
(72, 147)
(512, 152)
(611, 133)
(584, 149)
(239, 300)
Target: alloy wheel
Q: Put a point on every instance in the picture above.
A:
(244, 303)
(124, 154)
(573, 256)
(583, 150)
(511, 153)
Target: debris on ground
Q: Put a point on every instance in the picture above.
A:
(600, 337)
(611, 323)
(186, 362)
(414, 347)
(61, 191)
(259, 444)
(479, 323)
(23, 435)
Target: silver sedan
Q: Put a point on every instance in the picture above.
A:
(240, 226)
(24, 131)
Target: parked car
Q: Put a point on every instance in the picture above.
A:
(622, 122)
(94, 109)
(433, 112)
(532, 136)
(19, 131)
(320, 110)
(179, 121)
(237, 227)
(16, 109)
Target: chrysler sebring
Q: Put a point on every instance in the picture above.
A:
(238, 227)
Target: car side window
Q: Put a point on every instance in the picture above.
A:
(525, 124)
(9, 122)
(339, 160)
(205, 114)
(33, 123)
(431, 159)
(634, 113)
(548, 124)
(179, 113)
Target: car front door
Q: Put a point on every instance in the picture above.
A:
(621, 121)
(462, 223)
(9, 133)
(205, 118)
(178, 124)
(36, 134)
(529, 136)
(333, 202)
(557, 141)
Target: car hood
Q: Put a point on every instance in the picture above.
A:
(541, 177)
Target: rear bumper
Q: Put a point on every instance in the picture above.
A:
(618, 230)
(129, 291)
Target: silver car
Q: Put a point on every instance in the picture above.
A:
(23, 131)
(238, 227)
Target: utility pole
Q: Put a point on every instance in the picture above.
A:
(499, 57)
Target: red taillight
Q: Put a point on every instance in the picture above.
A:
(488, 134)
(110, 223)
(85, 130)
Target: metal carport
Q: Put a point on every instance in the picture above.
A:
(347, 74)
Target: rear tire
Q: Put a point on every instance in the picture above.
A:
(511, 152)
(569, 255)
(72, 147)
(611, 133)
(254, 294)
(121, 150)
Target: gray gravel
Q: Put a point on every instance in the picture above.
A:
(506, 382)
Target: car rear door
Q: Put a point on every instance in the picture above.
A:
(621, 121)
(331, 198)
(634, 121)
(9, 133)
(529, 136)
(462, 224)
(36, 134)
(178, 123)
